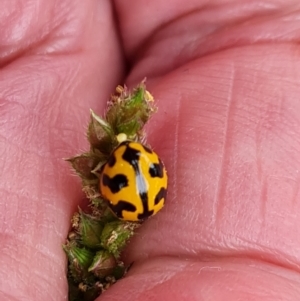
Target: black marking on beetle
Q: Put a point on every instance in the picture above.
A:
(132, 156)
(161, 195)
(147, 149)
(156, 170)
(122, 206)
(116, 183)
(146, 212)
(112, 160)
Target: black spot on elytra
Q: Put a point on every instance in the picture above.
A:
(146, 212)
(111, 161)
(116, 183)
(156, 170)
(122, 205)
(132, 157)
(161, 195)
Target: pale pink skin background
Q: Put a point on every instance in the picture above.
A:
(226, 76)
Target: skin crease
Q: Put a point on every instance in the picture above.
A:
(225, 74)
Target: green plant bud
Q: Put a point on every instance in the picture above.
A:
(84, 164)
(100, 134)
(115, 235)
(103, 264)
(90, 230)
(80, 259)
(130, 111)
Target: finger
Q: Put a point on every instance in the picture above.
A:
(231, 153)
(174, 279)
(178, 32)
(232, 135)
(59, 59)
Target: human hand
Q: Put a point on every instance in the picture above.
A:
(225, 76)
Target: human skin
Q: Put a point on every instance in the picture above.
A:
(226, 78)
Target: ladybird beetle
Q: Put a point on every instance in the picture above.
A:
(134, 182)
